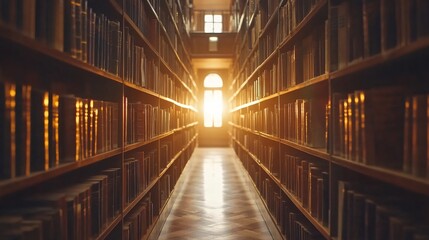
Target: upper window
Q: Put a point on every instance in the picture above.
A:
(212, 23)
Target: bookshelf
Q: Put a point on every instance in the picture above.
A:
(98, 116)
(329, 115)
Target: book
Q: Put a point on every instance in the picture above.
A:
(391, 24)
(56, 201)
(342, 48)
(408, 133)
(54, 122)
(39, 130)
(23, 130)
(343, 202)
(8, 133)
(372, 27)
(419, 136)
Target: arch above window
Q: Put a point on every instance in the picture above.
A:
(213, 80)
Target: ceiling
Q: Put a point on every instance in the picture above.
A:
(214, 5)
(211, 63)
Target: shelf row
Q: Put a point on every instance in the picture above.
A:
(271, 43)
(100, 53)
(399, 179)
(297, 203)
(284, 79)
(97, 202)
(18, 183)
(319, 191)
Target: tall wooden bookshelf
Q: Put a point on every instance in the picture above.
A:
(98, 105)
(330, 115)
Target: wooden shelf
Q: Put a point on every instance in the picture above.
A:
(267, 98)
(177, 103)
(140, 34)
(133, 146)
(270, 21)
(383, 58)
(309, 83)
(178, 60)
(106, 231)
(187, 126)
(140, 196)
(269, 137)
(16, 184)
(141, 89)
(15, 40)
(261, 33)
(156, 53)
(59, 73)
(252, 75)
(179, 35)
(249, 104)
(116, 6)
(320, 153)
(323, 230)
(304, 24)
(255, 72)
(177, 155)
(243, 128)
(399, 179)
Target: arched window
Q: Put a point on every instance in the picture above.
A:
(213, 101)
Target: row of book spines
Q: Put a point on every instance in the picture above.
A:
(416, 136)
(268, 156)
(291, 223)
(144, 71)
(140, 68)
(365, 28)
(305, 60)
(138, 222)
(145, 121)
(166, 154)
(80, 211)
(292, 13)
(136, 10)
(184, 118)
(139, 171)
(366, 216)
(309, 183)
(165, 188)
(182, 138)
(43, 130)
(263, 86)
(305, 123)
(361, 117)
(292, 71)
(69, 26)
(265, 120)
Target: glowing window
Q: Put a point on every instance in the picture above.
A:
(212, 23)
(213, 101)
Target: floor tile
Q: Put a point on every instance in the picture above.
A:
(216, 202)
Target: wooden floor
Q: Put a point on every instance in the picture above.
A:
(215, 202)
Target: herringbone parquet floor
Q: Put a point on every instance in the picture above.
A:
(216, 202)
